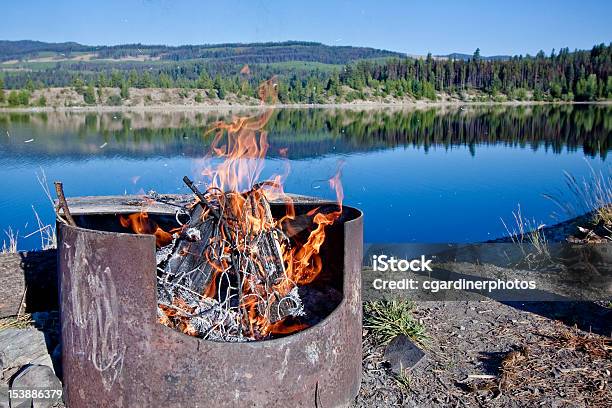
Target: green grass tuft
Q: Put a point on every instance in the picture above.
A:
(402, 380)
(388, 319)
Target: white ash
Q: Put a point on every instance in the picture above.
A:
(296, 307)
(163, 254)
(193, 234)
(183, 274)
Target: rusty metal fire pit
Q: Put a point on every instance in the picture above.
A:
(115, 353)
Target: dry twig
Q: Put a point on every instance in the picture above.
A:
(63, 204)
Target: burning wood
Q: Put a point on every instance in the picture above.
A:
(223, 276)
(230, 273)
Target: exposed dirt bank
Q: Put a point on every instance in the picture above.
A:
(176, 99)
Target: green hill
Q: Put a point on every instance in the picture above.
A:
(250, 53)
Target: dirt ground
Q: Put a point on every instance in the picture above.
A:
(489, 354)
(179, 100)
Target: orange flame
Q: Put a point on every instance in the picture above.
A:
(231, 172)
(303, 262)
(140, 223)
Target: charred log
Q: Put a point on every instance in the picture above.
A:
(226, 261)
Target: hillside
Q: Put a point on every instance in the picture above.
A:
(465, 57)
(252, 53)
(70, 74)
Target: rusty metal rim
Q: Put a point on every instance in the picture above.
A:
(145, 237)
(279, 341)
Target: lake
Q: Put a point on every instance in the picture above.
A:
(428, 175)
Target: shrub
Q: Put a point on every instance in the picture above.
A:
(19, 98)
(520, 94)
(114, 100)
(125, 90)
(89, 95)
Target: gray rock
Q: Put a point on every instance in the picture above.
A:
(36, 377)
(4, 396)
(19, 347)
(402, 354)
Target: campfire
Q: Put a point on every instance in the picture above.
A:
(237, 261)
(232, 271)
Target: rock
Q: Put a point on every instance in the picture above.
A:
(19, 347)
(4, 395)
(403, 354)
(39, 378)
(34, 270)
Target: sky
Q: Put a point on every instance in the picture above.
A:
(409, 26)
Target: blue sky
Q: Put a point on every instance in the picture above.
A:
(414, 27)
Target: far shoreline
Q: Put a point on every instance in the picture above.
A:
(207, 107)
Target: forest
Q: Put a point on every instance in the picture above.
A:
(305, 75)
(303, 133)
(229, 52)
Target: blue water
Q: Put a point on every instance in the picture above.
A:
(410, 189)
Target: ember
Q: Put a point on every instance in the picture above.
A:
(233, 272)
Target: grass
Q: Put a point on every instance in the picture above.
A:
(528, 232)
(48, 237)
(11, 248)
(589, 194)
(46, 231)
(388, 319)
(402, 380)
(16, 322)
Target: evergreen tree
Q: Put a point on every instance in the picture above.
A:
(145, 80)
(102, 81)
(125, 90)
(78, 84)
(476, 56)
(30, 85)
(164, 81)
(89, 95)
(133, 78)
(204, 81)
(219, 87)
(116, 79)
(245, 89)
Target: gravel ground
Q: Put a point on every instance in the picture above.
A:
(485, 353)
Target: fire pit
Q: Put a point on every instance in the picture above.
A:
(116, 351)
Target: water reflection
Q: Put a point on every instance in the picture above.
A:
(313, 132)
(426, 175)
